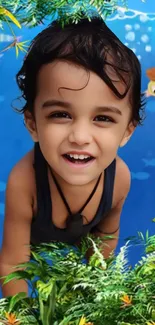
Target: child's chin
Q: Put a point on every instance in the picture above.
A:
(78, 180)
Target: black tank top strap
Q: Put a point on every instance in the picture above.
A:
(109, 184)
(107, 195)
(42, 185)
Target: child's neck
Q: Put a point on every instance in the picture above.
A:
(76, 197)
(71, 191)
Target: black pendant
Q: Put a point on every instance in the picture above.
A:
(74, 224)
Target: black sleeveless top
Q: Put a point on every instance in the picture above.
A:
(42, 229)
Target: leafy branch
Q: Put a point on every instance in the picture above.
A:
(71, 291)
(35, 12)
(6, 15)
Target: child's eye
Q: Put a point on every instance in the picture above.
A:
(103, 118)
(60, 115)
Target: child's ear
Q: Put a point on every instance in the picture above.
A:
(128, 133)
(31, 125)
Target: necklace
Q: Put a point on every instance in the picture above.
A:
(74, 221)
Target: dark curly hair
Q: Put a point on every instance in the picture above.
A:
(92, 45)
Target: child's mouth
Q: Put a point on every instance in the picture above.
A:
(78, 159)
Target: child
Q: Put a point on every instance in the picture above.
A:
(81, 88)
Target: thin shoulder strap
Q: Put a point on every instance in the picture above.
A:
(42, 185)
(109, 185)
(63, 196)
(107, 195)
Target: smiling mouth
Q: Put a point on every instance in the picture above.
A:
(81, 159)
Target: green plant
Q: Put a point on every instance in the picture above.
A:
(35, 12)
(7, 16)
(67, 290)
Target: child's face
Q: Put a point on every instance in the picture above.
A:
(91, 121)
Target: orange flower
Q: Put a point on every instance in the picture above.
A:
(11, 319)
(127, 301)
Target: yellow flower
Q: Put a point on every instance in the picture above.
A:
(126, 300)
(11, 318)
(83, 321)
(150, 323)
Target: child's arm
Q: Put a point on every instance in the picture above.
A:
(16, 239)
(110, 224)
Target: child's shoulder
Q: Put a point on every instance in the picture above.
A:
(122, 170)
(122, 181)
(22, 174)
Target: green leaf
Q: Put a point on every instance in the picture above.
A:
(147, 236)
(47, 300)
(7, 13)
(43, 311)
(18, 275)
(17, 50)
(15, 299)
(51, 304)
(124, 323)
(153, 314)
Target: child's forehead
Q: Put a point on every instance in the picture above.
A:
(63, 75)
(61, 71)
(83, 91)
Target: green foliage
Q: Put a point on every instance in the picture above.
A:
(34, 12)
(66, 290)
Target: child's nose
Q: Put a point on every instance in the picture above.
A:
(80, 134)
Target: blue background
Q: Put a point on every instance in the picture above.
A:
(136, 29)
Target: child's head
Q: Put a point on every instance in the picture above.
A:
(82, 91)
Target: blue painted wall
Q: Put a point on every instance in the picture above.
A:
(137, 30)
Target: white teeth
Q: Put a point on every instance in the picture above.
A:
(75, 156)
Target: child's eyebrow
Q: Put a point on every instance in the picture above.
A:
(111, 109)
(56, 102)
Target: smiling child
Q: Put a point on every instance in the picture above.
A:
(82, 92)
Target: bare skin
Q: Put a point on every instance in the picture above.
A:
(80, 130)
